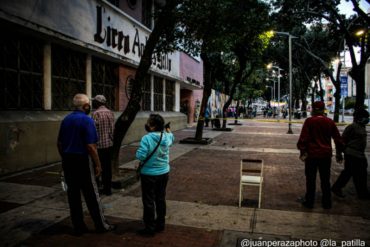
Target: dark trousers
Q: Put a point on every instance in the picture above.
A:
(105, 156)
(311, 167)
(80, 176)
(153, 190)
(356, 168)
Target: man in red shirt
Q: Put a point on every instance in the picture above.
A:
(316, 151)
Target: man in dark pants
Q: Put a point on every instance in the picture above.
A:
(76, 141)
(355, 162)
(315, 146)
(104, 122)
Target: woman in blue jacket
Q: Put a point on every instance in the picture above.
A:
(154, 173)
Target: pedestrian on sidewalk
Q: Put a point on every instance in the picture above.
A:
(154, 173)
(315, 147)
(76, 142)
(355, 162)
(104, 122)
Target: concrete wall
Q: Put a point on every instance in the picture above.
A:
(28, 139)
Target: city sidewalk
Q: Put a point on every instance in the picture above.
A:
(202, 198)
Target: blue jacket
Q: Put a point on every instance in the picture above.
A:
(158, 164)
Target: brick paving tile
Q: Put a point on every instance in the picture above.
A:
(125, 235)
(255, 141)
(212, 177)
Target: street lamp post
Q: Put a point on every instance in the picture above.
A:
(290, 78)
(279, 69)
(271, 93)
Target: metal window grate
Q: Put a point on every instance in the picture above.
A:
(105, 80)
(146, 99)
(158, 94)
(170, 88)
(20, 73)
(68, 76)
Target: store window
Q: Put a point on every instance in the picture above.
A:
(21, 74)
(68, 76)
(105, 80)
(158, 94)
(170, 87)
(146, 100)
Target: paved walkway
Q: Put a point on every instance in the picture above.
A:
(202, 199)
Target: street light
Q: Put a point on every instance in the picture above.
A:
(271, 93)
(279, 69)
(290, 37)
(273, 83)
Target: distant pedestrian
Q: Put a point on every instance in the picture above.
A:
(154, 173)
(76, 142)
(355, 162)
(315, 146)
(104, 122)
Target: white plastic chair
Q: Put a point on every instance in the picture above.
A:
(246, 179)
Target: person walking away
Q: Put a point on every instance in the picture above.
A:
(355, 162)
(76, 142)
(104, 122)
(315, 150)
(154, 173)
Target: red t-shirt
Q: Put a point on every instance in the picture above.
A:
(315, 138)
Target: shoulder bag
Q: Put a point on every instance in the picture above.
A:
(142, 163)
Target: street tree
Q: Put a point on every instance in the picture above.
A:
(160, 40)
(310, 11)
(216, 36)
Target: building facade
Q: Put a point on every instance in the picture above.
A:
(53, 49)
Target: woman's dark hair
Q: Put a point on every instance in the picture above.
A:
(360, 113)
(156, 121)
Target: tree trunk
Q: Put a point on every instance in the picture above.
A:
(358, 74)
(304, 106)
(207, 90)
(237, 111)
(133, 107)
(313, 94)
(321, 92)
(237, 81)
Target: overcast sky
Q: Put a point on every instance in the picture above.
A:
(346, 7)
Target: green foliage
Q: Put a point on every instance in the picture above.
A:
(349, 103)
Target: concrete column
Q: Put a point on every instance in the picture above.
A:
(47, 76)
(164, 94)
(151, 93)
(177, 96)
(88, 76)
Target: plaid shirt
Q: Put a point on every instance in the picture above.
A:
(104, 121)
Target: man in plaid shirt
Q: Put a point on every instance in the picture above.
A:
(104, 122)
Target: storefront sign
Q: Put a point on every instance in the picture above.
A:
(125, 42)
(93, 24)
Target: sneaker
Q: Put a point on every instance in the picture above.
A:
(146, 232)
(338, 192)
(110, 228)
